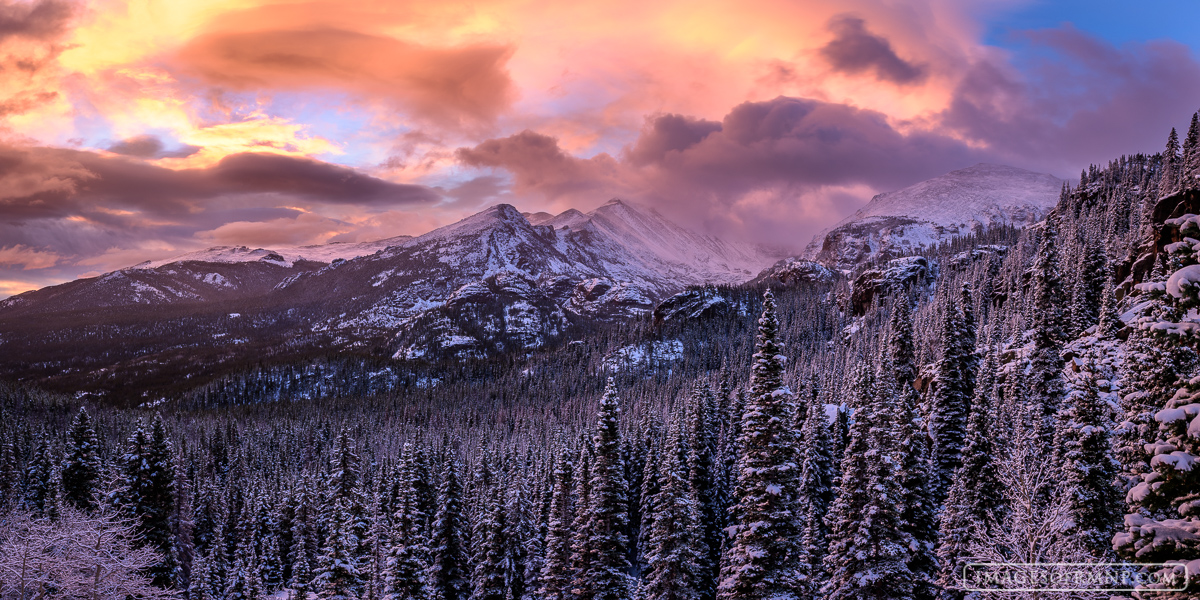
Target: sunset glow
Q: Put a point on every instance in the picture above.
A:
(137, 129)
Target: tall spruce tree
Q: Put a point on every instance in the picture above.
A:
(41, 489)
(1084, 450)
(975, 499)
(846, 515)
(877, 566)
(449, 574)
(677, 547)
(607, 510)
(816, 489)
(406, 566)
(337, 576)
(764, 560)
(555, 581)
(581, 526)
(1044, 384)
(488, 579)
(1190, 161)
(701, 451)
(951, 394)
(81, 468)
(918, 516)
(148, 493)
(1168, 182)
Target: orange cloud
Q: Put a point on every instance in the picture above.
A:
(28, 258)
(443, 84)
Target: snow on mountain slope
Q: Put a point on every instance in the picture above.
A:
(957, 203)
(495, 282)
(629, 242)
(287, 255)
(496, 279)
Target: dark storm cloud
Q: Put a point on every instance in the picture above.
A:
(669, 133)
(540, 165)
(785, 141)
(50, 183)
(41, 20)
(796, 141)
(46, 182)
(703, 172)
(149, 146)
(855, 50)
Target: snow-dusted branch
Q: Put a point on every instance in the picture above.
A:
(79, 555)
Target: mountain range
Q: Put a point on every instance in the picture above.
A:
(499, 282)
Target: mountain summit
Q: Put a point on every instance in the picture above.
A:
(922, 215)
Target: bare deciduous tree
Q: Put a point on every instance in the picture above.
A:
(79, 555)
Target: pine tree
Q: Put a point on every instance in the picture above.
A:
(270, 567)
(1189, 163)
(649, 495)
(677, 549)
(198, 587)
(764, 560)
(244, 582)
(555, 582)
(1089, 470)
(518, 534)
(816, 485)
(41, 490)
(1169, 181)
(301, 567)
(406, 567)
(1109, 319)
(1089, 285)
(337, 575)
(81, 469)
(449, 570)
(847, 513)
(581, 555)
(607, 508)
(877, 566)
(488, 579)
(148, 493)
(975, 498)
(10, 474)
(701, 450)
(951, 393)
(918, 515)
(1044, 374)
(900, 342)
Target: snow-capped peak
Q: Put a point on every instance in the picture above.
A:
(922, 215)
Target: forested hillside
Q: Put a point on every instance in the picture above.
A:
(1011, 396)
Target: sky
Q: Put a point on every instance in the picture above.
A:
(135, 130)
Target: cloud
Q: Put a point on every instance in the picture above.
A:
(47, 182)
(28, 258)
(778, 169)
(305, 228)
(447, 85)
(855, 50)
(541, 166)
(39, 20)
(1079, 100)
(66, 212)
(149, 146)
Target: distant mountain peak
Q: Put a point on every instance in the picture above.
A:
(958, 203)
